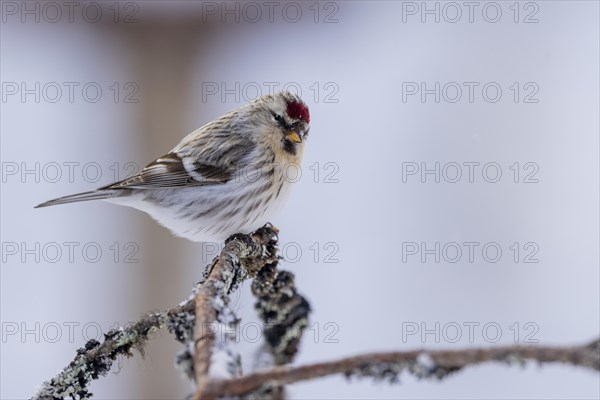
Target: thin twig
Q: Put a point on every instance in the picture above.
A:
(422, 363)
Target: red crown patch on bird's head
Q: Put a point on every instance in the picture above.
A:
(298, 111)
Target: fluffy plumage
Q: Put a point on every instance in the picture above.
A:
(227, 177)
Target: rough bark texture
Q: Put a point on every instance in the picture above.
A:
(423, 364)
(243, 256)
(196, 321)
(284, 314)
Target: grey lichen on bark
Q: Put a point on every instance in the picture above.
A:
(197, 321)
(284, 314)
(96, 358)
(242, 257)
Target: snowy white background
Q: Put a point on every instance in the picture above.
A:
(359, 218)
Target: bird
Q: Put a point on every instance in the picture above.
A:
(229, 176)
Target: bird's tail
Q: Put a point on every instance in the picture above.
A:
(85, 196)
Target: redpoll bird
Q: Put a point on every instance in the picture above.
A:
(227, 177)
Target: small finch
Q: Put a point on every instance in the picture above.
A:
(227, 177)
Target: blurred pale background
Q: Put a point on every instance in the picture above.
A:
(185, 66)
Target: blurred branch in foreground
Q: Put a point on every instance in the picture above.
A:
(210, 360)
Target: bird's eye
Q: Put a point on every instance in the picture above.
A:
(277, 117)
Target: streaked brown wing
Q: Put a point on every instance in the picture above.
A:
(169, 171)
(208, 156)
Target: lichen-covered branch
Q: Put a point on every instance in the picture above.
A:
(284, 313)
(196, 321)
(95, 359)
(243, 256)
(423, 364)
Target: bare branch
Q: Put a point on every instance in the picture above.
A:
(421, 363)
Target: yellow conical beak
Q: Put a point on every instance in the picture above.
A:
(294, 137)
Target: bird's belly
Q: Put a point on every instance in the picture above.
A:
(212, 213)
